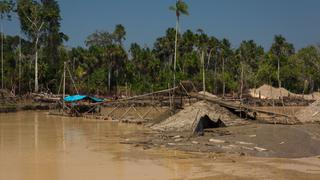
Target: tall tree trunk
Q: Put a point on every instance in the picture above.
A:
(117, 76)
(175, 53)
(203, 73)
(109, 78)
(223, 79)
(2, 73)
(279, 82)
(241, 85)
(20, 56)
(175, 61)
(36, 84)
(215, 77)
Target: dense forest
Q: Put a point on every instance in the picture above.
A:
(33, 62)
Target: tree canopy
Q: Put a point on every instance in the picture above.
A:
(106, 66)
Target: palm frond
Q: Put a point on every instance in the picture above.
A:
(172, 8)
(182, 7)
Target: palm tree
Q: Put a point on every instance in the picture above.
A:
(6, 7)
(179, 8)
(119, 34)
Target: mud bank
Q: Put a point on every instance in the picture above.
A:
(260, 140)
(23, 107)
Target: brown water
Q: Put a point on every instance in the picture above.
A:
(36, 146)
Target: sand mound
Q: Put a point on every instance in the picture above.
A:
(310, 113)
(269, 92)
(187, 119)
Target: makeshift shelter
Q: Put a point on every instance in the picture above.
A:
(81, 104)
(199, 116)
(205, 123)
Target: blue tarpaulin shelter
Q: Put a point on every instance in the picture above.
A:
(75, 98)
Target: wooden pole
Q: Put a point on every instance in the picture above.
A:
(152, 100)
(223, 83)
(175, 54)
(170, 104)
(241, 90)
(203, 74)
(64, 86)
(126, 90)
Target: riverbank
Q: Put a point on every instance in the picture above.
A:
(9, 108)
(196, 128)
(259, 140)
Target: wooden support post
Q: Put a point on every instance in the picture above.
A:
(126, 90)
(156, 108)
(138, 113)
(145, 115)
(64, 87)
(184, 89)
(152, 100)
(170, 103)
(113, 110)
(125, 112)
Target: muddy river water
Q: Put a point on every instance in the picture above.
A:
(34, 145)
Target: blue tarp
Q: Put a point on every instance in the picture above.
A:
(82, 97)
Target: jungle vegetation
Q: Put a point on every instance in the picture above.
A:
(33, 62)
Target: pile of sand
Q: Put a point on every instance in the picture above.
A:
(310, 113)
(186, 119)
(269, 92)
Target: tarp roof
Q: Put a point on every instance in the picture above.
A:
(82, 97)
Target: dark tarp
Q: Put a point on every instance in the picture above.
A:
(206, 123)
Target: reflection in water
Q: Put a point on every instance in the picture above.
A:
(35, 145)
(36, 132)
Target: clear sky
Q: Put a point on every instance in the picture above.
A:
(237, 20)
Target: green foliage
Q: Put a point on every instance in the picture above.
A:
(119, 34)
(105, 67)
(31, 14)
(6, 8)
(97, 81)
(180, 8)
